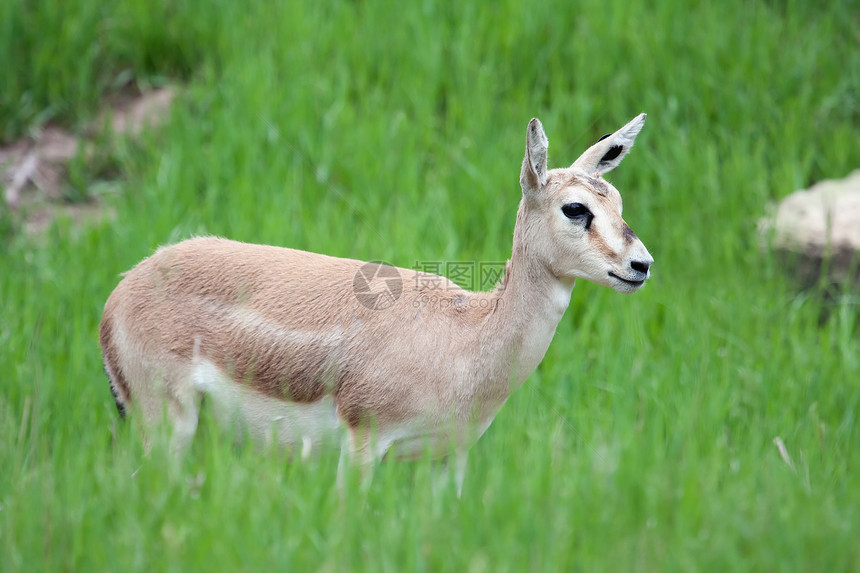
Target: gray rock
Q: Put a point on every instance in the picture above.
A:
(817, 230)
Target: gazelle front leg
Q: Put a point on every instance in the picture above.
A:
(359, 447)
(454, 466)
(459, 468)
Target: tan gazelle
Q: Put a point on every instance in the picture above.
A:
(315, 351)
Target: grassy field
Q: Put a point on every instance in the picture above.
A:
(381, 130)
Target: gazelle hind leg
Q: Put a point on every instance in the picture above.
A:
(183, 409)
(168, 404)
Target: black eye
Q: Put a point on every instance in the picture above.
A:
(574, 210)
(577, 212)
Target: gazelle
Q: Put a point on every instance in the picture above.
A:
(295, 346)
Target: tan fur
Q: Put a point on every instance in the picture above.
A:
(288, 325)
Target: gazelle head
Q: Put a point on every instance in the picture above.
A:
(570, 218)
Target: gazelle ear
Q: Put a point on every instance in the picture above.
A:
(606, 154)
(533, 175)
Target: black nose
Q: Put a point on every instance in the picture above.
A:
(640, 266)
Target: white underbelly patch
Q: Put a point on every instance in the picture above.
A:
(301, 427)
(308, 428)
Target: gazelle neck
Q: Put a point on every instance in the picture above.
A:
(532, 301)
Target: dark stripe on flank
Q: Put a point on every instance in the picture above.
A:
(118, 386)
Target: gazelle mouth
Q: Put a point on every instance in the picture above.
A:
(631, 283)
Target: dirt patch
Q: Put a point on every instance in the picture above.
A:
(36, 164)
(34, 169)
(130, 114)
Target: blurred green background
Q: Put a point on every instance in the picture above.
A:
(395, 131)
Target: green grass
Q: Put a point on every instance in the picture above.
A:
(62, 56)
(382, 130)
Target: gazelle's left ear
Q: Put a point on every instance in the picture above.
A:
(606, 154)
